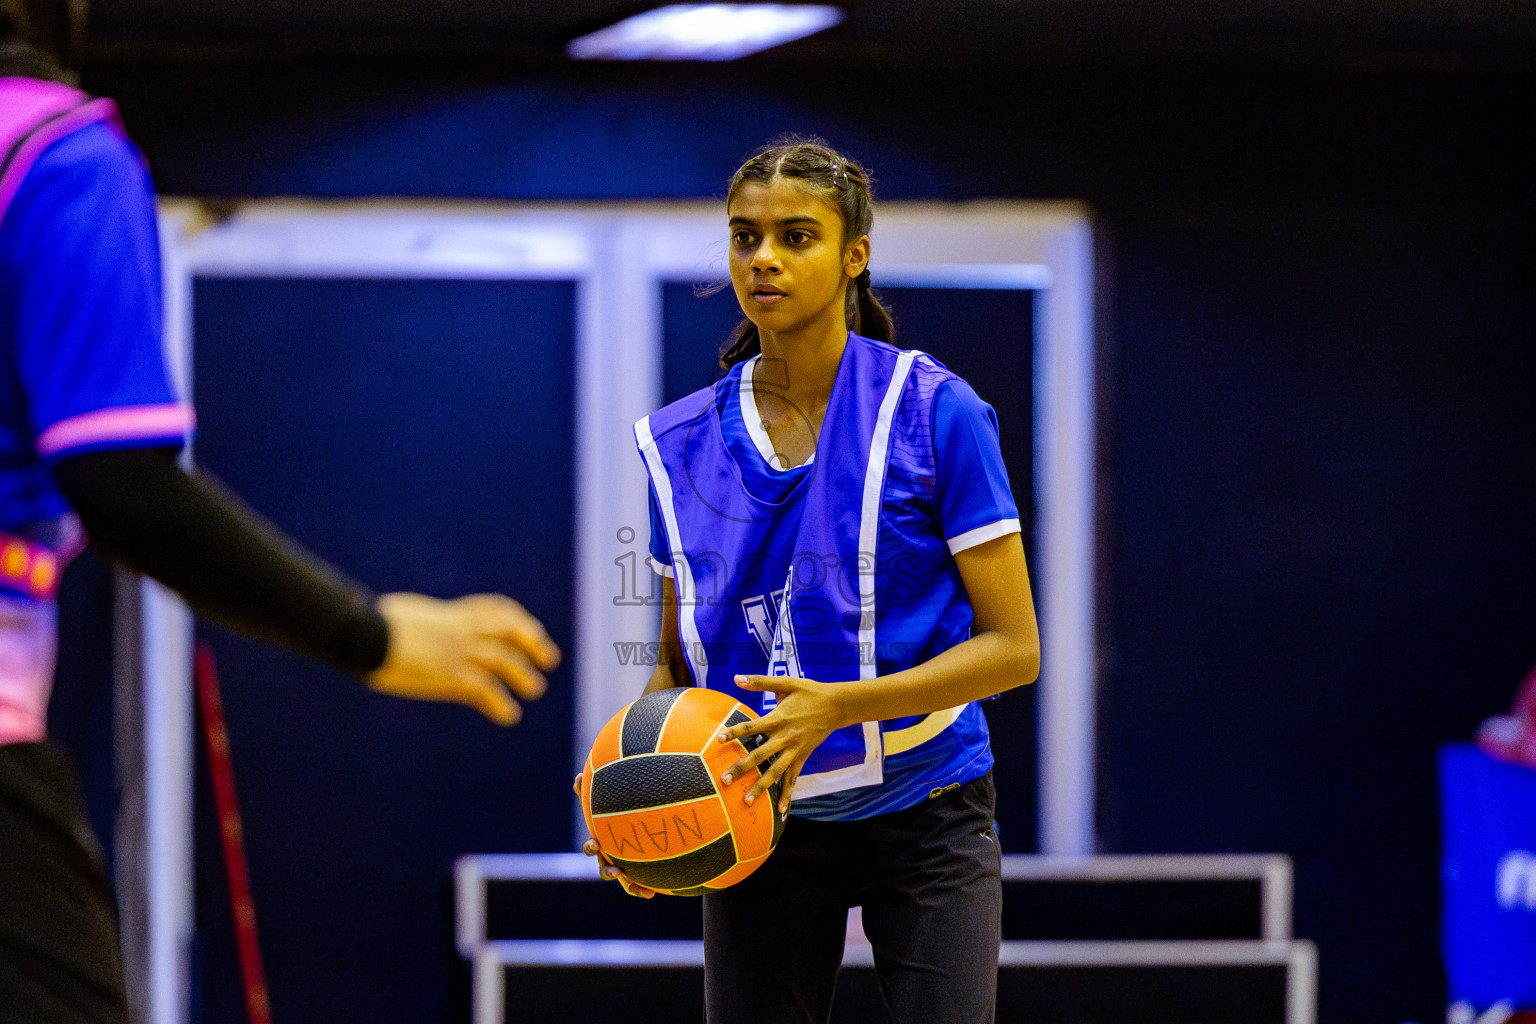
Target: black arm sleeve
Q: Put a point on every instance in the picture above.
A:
(230, 564)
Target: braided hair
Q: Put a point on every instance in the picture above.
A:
(844, 185)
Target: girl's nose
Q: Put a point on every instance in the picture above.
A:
(765, 258)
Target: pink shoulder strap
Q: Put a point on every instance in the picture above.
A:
(34, 114)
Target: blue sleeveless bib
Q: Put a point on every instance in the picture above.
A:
(788, 587)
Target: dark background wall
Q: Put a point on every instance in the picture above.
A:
(1318, 383)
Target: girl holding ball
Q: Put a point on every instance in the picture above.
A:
(842, 552)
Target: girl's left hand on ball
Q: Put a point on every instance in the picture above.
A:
(606, 868)
(807, 713)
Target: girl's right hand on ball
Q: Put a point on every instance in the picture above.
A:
(606, 868)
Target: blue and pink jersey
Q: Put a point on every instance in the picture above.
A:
(81, 364)
(841, 568)
(80, 296)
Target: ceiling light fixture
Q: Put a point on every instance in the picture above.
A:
(703, 31)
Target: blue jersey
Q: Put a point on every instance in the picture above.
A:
(81, 362)
(943, 489)
(81, 366)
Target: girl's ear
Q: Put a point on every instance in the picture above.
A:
(856, 257)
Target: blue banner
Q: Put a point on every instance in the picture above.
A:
(1489, 878)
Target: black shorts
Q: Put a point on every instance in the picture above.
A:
(59, 956)
(929, 880)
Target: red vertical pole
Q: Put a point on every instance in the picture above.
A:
(233, 836)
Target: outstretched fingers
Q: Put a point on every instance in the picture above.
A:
(485, 691)
(506, 656)
(790, 777)
(758, 750)
(778, 684)
(740, 731)
(510, 666)
(483, 650)
(781, 768)
(763, 758)
(500, 618)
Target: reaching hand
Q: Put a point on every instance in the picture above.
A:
(806, 715)
(606, 868)
(478, 650)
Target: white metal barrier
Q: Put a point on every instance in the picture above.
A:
(1275, 947)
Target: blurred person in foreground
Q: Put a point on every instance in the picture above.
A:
(90, 432)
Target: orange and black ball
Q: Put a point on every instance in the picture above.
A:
(653, 799)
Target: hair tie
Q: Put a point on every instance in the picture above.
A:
(840, 175)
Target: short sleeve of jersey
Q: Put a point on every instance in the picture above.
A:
(661, 553)
(972, 497)
(80, 238)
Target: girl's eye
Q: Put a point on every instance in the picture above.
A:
(742, 238)
(797, 237)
